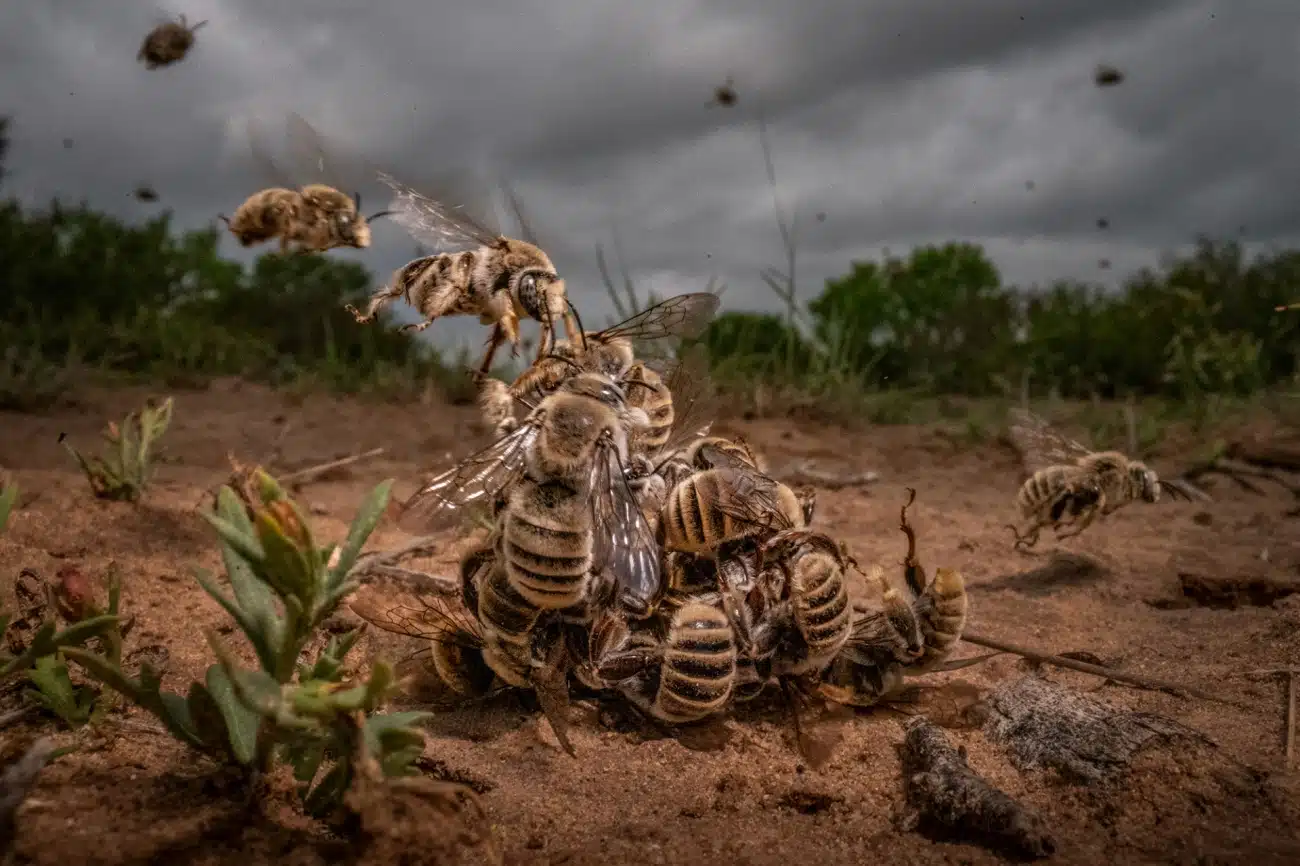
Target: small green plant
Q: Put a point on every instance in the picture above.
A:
(8, 497)
(283, 585)
(124, 471)
(29, 382)
(40, 656)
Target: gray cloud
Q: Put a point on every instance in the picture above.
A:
(903, 121)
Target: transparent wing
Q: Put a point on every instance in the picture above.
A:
(418, 615)
(752, 497)
(683, 316)
(306, 150)
(521, 217)
(624, 545)
(430, 221)
(690, 387)
(269, 171)
(475, 482)
(1040, 445)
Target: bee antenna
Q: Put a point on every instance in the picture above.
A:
(225, 219)
(378, 214)
(581, 330)
(197, 26)
(629, 382)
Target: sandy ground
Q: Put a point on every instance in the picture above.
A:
(135, 797)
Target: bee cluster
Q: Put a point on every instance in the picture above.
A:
(632, 554)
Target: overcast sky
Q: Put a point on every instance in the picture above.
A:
(902, 121)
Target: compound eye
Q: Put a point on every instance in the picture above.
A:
(528, 283)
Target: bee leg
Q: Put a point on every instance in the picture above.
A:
(495, 340)
(1085, 520)
(1028, 539)
(377, 300)
(415, 327)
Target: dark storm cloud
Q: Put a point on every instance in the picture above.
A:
(904, 122)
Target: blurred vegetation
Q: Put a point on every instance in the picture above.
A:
(83, 290)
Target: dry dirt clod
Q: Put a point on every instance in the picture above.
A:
(1045, 725)
(948, 800)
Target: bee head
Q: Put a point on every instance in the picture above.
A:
(596, 386)
(530, 289)
(1144, 481)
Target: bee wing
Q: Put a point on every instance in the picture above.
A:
(752, 498)
(474, 482)
(430, 221)
(271, 172)
(418, 615)
(521, 217)
(1184, 490)
(1040, 445)
(690, 387)
(306, 150)
(623, 543)
(683, 316)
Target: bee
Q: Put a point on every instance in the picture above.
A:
(938, 607)
(725, 94)
(612, 350)
(145, 193)
(501, 280)
(168, 43)
(454, 655)
(883, 643)
(718, 507)
(711, 452)
(678, 674)
(1070, 484)
(565, 510)
(313, 218)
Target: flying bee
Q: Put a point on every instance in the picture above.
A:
(566, 511)
(678, 674)
(718, 507)
(168, 43)
(500, 281)
(313, 218)
(1068, 483)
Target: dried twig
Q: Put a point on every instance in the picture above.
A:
(14, 715)
(804, 472)
(301, 476)
(425, 544)
(17, 780)
(1240, 472)
(1096, 670)
(435, 583)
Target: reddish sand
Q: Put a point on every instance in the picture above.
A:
(131, 796)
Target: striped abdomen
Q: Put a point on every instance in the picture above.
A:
(546, 544)
(459, 665)
(508, 620)
(941, 610)
(699, 665)
(690, 522)
(1043, 488)
(819, 599)
(657, 402)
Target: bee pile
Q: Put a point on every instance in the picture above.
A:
(635, 555)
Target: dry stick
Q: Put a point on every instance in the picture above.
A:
(301, 475)
(434, 582)
(1097, 670)
(423, 544)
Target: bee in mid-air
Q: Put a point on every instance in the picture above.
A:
(314, 218)
(500, 280)
(1071, 485)
(612, 351)
(168, 43)
(565, 511)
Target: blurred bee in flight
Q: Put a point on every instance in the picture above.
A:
(167, 43)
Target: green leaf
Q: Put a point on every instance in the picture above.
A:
(46, 642)
(362, 526)
(263, 644)
(243, 544)
(251, 594)
(306, 761)
(285, 567)
(8, 496)
(242, 723)
(55, 692)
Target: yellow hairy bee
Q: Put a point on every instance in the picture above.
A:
(1070, 485)
(313, 218)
